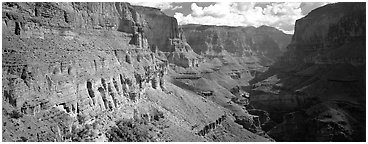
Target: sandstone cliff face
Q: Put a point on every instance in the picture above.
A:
(162, 33)
(238, 41)
(182, 54)
(55, 80)
(324, 63)
(159, 28)
(149, 27)
(57, 68)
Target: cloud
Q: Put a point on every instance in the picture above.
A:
(279, 15)
(160, 5)
(177, 7)
(218, 10)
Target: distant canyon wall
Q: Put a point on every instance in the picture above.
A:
(238, 41)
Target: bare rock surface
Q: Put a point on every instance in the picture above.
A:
(88, 72)
(266, 43)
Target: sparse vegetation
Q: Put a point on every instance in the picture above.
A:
(81, 118)
(83, 134)
(129, 131)
(15, 114)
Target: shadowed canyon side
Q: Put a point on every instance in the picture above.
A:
(102, 72)
(317, 89)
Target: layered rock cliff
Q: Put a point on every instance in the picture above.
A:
(62, 66)
(163, 34)
(232, 56)
(263, 42)
(319, 82)
(72, 71)
(56, 58)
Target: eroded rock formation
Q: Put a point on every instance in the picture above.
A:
(207, 128)
(68, 62)
(72, 70)
(162, 33)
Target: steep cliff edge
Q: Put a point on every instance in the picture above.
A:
(73, 71)
(149, 27)
(319, 83)
(163, 34)
(263, 42)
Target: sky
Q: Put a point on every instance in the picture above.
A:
(281, 15)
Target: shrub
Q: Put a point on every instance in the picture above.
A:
(82, 134)
(129, 131)
(15, 114)
(81, 118)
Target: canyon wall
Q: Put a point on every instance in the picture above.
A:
(263, 41)
(61, 72)
(67, 66)
(324, 66)
(163, 34)
(333, 34)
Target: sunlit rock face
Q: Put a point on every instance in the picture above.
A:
(68, 65)
(72, 71)
(323, 67)
(64, 67)
(163, 33)
(264, 42)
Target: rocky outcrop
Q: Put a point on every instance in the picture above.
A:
(324, 63)
(263, 41)
(264, 118)
(207, 128)
(162, 33)
(182, 54)
(250, 122)
(159, 28)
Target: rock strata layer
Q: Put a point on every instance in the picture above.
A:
(73, 71)
(263, 42)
